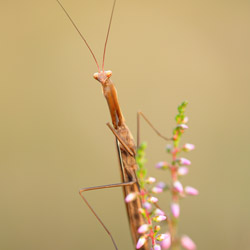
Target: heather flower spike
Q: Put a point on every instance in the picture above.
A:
(177, 167)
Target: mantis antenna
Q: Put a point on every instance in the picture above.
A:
(83, 38)
(105, 46)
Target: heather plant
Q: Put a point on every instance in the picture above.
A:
(177, 167)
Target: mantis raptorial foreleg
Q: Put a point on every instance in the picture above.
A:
(118, 137)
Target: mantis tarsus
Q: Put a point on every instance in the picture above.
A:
(124, 142)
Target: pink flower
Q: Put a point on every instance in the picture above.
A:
(157, 247)
(191, 191)
(188, 147)
(140, 242)
(158, 212)
(161, 237)
(175, 208)
(161, 185)
(157, 190)
(147, 205)
(157, 228)
(152, 199)
(187, 243)
(169, 148)
(178, 186)
(166, 243)
(142, 211)
(143, 229)
(184, 161)
(183, 126)
(182, 170)
(185, 120)
(159, 218)
(130, 197)
(162, 165)
(150, 180)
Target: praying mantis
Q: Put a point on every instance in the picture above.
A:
(125, 144)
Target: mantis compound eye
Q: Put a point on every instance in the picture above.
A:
(108, 73)
(95, 76)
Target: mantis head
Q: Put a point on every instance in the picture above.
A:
(103, 76)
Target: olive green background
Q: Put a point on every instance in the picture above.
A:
(53, 137)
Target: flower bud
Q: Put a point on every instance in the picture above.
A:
(157, 190)
(147, 205)
(166, 243)
(152, 199)
(157, 228)
(182, 170)
(140, 242)
(175, 209)
(187, 243)
(159, 218)
(162, 237)
(158, 212)
(182, 126)
(161, 184)
(150, 180)
(162, 165)
(188, 147)
(178, 186)
(130, 197)
(142, 212)
(143, 229)
(184, 161)
(191, 191)
(185, 120)
(169, 148)
(157, 247)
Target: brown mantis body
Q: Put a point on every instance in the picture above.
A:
(127, 151)
(126, 148)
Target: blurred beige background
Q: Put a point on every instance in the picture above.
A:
(53, 134)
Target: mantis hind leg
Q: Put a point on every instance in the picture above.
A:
(82, 190)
